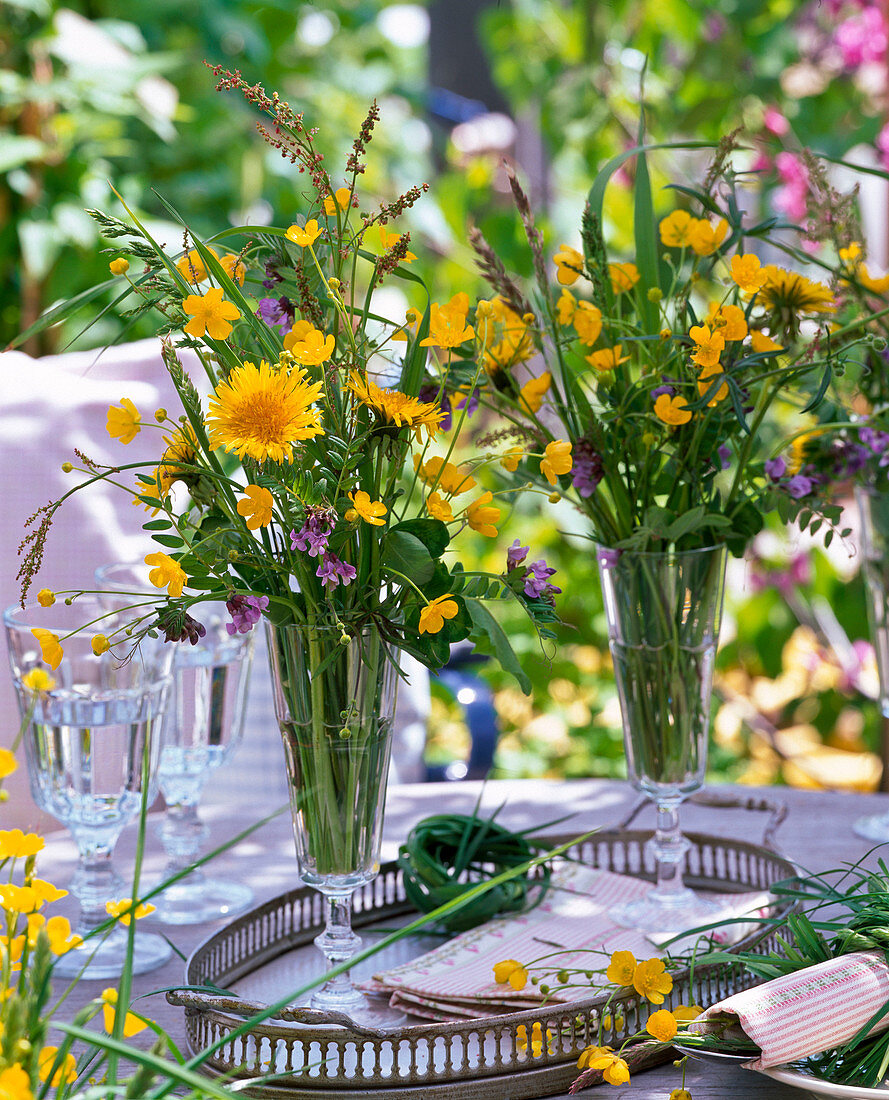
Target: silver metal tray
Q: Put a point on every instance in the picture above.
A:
(473, 1059)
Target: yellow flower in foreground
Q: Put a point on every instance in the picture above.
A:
(676, 228)
(614, 1069)
(120, 266)
(396, 409)
(510, 972)
(672, 410)
(46, 892)
(569, 263)
(556, 460)
(748, 273)
(304, 236)
(371, 511)
(314, 348)
(730, 322)
(100, 644)
(447, 328)
(439, 508)
(587, 1055)
(876, 285)
(50, 649)
(481, 515)
(123, 423)
(14, 844)
(46, 597)
(621, 968)
(166, 573)
(132, 1024)
(444, 475)
(66, 1072)
(8, 763)
(502, 337)
(433, 615)
(301, 329)
(38, 679)
(233, 267)
(191, 267)
(256, 506)
(19, 899)
(706, 238)
(685, 1013)
(262, 411)
(623, 277)
(662, 1025)
(534, 390)
(652, 981)
(15, 1084)
(680, 1094)
(566, 307)
(705, 381)
(339, 200)
(607, 359)
(787, 292)
(120, 909)
(708, 345)
(587, 321)
(58, 932)
(510, 461)
(210, 314)
(761, 342)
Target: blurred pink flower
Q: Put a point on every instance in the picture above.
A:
(883, 145)
(790, 198)
(862, 37)
(775, 122)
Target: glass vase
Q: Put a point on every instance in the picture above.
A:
(663, 611)
(335, 702)
(873, 508)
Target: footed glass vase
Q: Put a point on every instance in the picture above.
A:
(335, 702)
(663, 611)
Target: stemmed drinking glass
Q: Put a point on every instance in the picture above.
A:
(93, 732)
(203, 726)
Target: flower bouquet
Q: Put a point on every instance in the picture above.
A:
(319, 487)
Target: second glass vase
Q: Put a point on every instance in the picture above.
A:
(663, 611)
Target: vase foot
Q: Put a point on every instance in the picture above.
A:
(205, 899)
(873, 827)
(96, 960)
(678, 912)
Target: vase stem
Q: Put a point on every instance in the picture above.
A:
(338, 943)
(669, 847)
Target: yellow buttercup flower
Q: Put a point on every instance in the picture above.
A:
(556, 460)
(123, 423)
(510, 461)
(132, 1024)
(8, 762)
(38, 679)
(14, 844)
(685, 1013)
(191, 267)
(621, 969)
(451, 479)
(512, 973)
(730, 322)
(390, 240)
(371, 511)
(447, 328)
(233, 267)
(46, 892)
(652, 981)
(301, 328)
(256, 506)
(613, 1068)
(57, 930)
(411, 324)
(19, 899)
(606, 359)
(314, 348)
(569, 263)
(675, 229)
(46, 597)
(748, 272)
(706, 238)
(680, 1094)
(481, 515)
(339, 200)
(15, 1084)
(672, 410)
(502, 336)
(708, 345)
(180, 453)
(100, 644)
(124, 911)
(166, 573)
(662, 1025)
(587, 1055)
(623, 277)
(565, 307)
(876, 285)
(50, 649)
(304, 236)
(761, 342)
(210, 314)
(395, 409)
(587, 321)
(66, 1072)
(705, 381)
(120, 266)
(534, 390)
(433, 615)
(439, 508)
(262, 411)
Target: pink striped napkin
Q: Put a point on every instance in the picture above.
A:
(572, 926)
(807, 1012)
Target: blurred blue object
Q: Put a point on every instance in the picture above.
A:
(477, 701)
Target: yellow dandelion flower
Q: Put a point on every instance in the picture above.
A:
(534, 390)
(210, 314)
(510, 972)
(262, 411)
(623, 277)
(50, 649)
(557, 460)
(672, 410)
(371, 511)
(587, 321)
(395, 409)
(304, 236)
(123, 423)
(787, 293)
(256, 507)
(481, 515)
(569, 264)
(433, 615)
(166, 573)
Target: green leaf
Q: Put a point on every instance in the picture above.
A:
(168, 540)
(644, 230)
(408, 555)
(485, 623)
(431, 532)
(157, 525)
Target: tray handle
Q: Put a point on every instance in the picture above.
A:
(214, 1002)
(777, 811)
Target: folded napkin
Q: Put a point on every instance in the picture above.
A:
(573, 926)
(805, 1013)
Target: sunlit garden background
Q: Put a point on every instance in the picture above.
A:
(553, 87)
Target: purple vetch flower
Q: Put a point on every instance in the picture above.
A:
(246, 611)
(432, 394)
(800, 486)
(725, 455)
(587, 470)
(852, 458)
(277, 313)
(272, 275)
(606, 558)
(312, 537)
(655, 393)
(776, 467)
(515, 555)
(875, 441)
(333, 571)
(537, 584)
(470, 403)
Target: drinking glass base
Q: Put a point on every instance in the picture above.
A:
(95, 960)
(206, 899)
(363, 1010)
(678, 912)
(873, 827)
